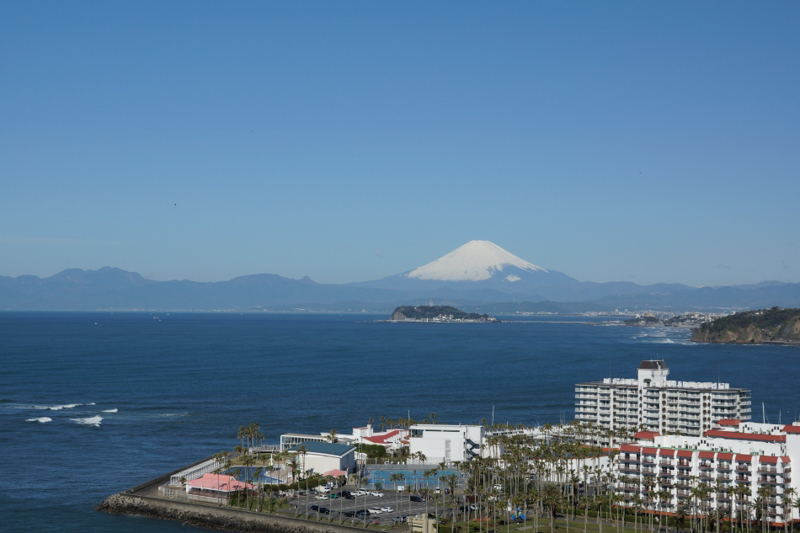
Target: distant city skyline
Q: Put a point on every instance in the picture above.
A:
(652, 143)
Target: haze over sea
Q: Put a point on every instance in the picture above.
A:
(134, 395)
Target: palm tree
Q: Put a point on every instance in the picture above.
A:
(787, 505)
(551, 498)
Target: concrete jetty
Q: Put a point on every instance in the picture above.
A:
(145, 500)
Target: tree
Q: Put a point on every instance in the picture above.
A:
(551, 499)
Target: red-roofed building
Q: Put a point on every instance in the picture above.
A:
(215, 487)
(734, 454)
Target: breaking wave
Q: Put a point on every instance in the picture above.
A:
(41, 419)
(57, 407)
(110, 410)
(90, 421)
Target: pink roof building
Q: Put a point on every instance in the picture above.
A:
(221, 483)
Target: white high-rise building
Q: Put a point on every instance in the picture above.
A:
(654, 403)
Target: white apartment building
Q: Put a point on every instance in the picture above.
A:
(654, 403)
(446, 443)
(729, 461)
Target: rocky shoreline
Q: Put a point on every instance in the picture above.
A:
(222, 519)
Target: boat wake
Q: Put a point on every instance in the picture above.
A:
(41, 420)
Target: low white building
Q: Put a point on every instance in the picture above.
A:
(321, 457)
(290, 440)
(446, 443)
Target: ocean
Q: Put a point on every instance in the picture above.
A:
(94, 403)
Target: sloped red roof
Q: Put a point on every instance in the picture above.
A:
(725, 456)
(706, 455)
(629, 448)
(646, 435)
(767, 459)
(649, 451)
(744, 458)
(786, 459)
(729, 422)
(744, 436)
(666, 453)
(685, 453)
(381, 439)
(791, 429)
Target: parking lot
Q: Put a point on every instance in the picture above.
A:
(346, 509)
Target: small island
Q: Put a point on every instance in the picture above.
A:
(766, 326)
(437, 313)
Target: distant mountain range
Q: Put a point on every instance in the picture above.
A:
(472, 277)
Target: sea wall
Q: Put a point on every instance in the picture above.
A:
(222, 518)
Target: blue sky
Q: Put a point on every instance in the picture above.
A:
(347, 141)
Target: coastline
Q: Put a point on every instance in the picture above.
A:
(211, 517)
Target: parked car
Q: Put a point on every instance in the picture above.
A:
(333, 496)
(349, 514)
(324, 510)
(362, 513)
(378, 494)
(314, 507)
(386, 509)
(349, 496)
(321, 497)
(415, 498)
(374, 510)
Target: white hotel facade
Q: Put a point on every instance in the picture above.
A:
(737, 463)
(654, 403)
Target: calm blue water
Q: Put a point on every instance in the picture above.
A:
(183, 384)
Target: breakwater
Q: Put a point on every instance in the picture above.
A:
(146, 500)
(221, 518)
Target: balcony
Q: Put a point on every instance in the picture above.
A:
(724, 466)
(665, 462)
(742, 467)
(706, 465)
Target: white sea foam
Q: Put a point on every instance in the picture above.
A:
(90, 421)
(41, 420)
(110, 410)
(57, 407)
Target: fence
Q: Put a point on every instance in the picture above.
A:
(195, 471)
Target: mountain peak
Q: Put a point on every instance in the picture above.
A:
(475, 261)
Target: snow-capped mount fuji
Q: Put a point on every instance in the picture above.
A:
(475, 261)
(480, 270)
